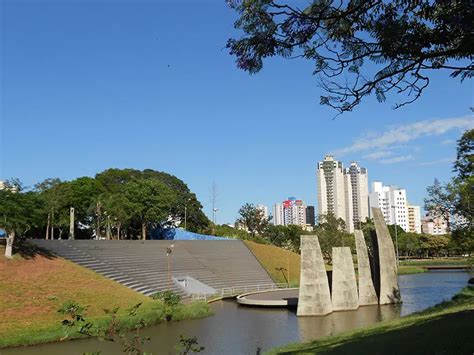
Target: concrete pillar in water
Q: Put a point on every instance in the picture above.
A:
(314, 295)
(389, 292)
(344, 285)
(367, 295)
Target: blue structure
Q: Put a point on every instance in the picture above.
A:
(3, 234)
(181, 234)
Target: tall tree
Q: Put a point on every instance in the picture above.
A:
(18, 214)
(151, 201)
(455, 199)
(253, 219)
(360, 47)
(331, 232)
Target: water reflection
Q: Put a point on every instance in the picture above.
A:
(239, 330)
(311, 328)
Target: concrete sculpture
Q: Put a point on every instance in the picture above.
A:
(344, 286)
(367, 295)
(314, 293)
(386, 264)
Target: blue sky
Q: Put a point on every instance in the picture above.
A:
(149, 84)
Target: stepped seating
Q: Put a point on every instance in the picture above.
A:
(143, 265)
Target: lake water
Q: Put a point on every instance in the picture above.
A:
(236, 329)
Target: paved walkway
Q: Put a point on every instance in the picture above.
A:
(275, 298)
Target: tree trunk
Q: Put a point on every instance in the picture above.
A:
(47, 226)
(143, 231)
(118, 231)
(9, 248)
(52, 225)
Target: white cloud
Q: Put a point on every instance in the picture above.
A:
(397, 159)
(448, 142)
(378, 155)
(406, 133)
(438, 162)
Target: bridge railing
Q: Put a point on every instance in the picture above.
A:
(237, 290)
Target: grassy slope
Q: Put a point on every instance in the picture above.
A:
(272, 257)
(443, 329)
(31, 291)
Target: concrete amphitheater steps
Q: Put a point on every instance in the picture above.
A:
(143, 265)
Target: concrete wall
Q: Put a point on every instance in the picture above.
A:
(367, 295)
(389, 291)
(344, 285)
(314, 294)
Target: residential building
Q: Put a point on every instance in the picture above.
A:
(435, 225)
(393, 203)
(2, 184)
(414, 219)
(310, 216)
(358, 178)
(290, 211)
(335, 191)
(278, 214)
(264, 210)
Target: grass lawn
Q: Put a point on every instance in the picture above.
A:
(272, 257)
(437, 262)
(33, 288)
(405, 270)
(446, 328)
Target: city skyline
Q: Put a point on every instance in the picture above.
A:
(130, 97)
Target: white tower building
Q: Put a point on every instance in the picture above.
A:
(414, 219)
(278, 214)
(393, 203)
(359, 181)
(334, 191)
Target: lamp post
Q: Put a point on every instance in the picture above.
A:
(169, 250)
(185, 216)
(396, 237)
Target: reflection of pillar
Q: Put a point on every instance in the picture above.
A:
(71, 223)
(389, 291)
(314, 295)
(344, 285)
(367, 295)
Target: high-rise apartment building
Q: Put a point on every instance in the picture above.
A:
(278, 214)
(414, 219)
(358, 178)
(395, 209)
(289, 212)
(310, 216)
(335, 191)
(343, 192)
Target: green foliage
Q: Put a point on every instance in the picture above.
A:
(125, 202)
(168, 297)
(455, 199)
(286, 237)
(398, 42)
(253, 219)
(188, 345)
(19, 211)
(227, 231)
(112, 330)
(331, 232)
(170, 300)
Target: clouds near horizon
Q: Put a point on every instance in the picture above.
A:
(383, 146)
